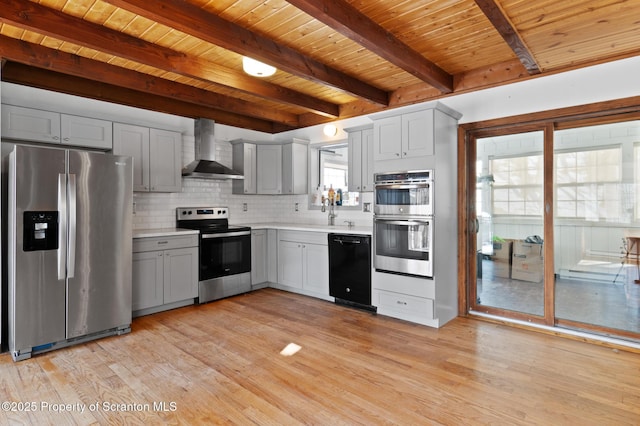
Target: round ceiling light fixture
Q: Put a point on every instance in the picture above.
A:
(257, 68)
(330, 130)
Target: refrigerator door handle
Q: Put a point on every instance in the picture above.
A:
(72, 225)
(62, 226)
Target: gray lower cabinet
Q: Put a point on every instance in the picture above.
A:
(303, 262)
(165, 273)
(259, 265)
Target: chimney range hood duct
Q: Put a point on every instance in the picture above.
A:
(205, 166)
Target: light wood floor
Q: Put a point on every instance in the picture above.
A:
(220, 363)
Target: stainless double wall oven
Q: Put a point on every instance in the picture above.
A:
(403, 222)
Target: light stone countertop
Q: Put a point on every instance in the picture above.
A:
(342, 229)
(164, 232)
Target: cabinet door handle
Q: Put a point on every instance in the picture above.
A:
(397, 154)
(400, 302)
(55, 138)
(404, 154)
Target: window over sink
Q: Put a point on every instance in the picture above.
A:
(330, 169)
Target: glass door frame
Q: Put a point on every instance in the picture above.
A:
(548, 122)
(549, 282)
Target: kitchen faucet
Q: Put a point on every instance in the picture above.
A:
(332, 214)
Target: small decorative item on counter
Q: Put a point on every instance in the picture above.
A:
(332, 195)
(339, 197)
(318, 197)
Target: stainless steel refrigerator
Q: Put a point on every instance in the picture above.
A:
(69, 246)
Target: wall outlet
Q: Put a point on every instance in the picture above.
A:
(366, 207)
(245, 207)
(296, 206)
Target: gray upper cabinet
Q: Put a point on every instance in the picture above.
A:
(273, 168)
(270, 169)
(409, 141)
(157, 159)
(245, 161)
(165, 160)
(36, 125)
(404, 136)
(133, 141)
(294, 168)
(360, 158)
(86, 132)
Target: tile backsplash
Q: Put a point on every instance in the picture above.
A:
(157, 210)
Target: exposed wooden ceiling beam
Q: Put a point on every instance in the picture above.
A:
(44, 79)
(46, 21)
(66, 63)
(192, 20)
(508, 32)
(350, 22)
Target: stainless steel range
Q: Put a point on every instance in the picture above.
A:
(224, 252)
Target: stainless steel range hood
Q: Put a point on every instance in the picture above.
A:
(205, 166)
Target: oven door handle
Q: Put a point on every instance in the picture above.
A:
(225, 234)
(403, 186)
(404, 222)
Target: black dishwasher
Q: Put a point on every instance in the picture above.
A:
(350, 270)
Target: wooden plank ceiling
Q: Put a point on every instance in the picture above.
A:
(334, 58)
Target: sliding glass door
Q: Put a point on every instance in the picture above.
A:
(554, 224)
(509, 201)
(597, 170)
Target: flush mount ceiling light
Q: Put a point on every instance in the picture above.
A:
(257, 68)
(330, 130)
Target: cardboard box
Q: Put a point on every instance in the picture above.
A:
(502, 250)
(501, 268)
(530, 276)
(527, 262)
(527, 250)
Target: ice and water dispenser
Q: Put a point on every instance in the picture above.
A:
(40, 230)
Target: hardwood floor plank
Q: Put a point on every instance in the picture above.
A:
(220, 363)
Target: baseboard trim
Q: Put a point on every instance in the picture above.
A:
(606, 341)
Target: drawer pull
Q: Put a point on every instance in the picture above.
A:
(400, 302)
(163, 242)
